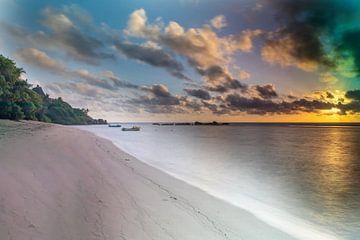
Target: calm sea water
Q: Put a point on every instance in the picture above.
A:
(302, 179)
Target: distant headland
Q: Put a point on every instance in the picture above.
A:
(196, 123)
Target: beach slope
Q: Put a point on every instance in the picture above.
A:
(64, 183)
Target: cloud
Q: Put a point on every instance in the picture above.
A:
(220, 80)
(64, 34)
(329, 95)
(71, 30)
(328, 78)
(297, 42)
(192, 106)
(14, 30)
(254, 105)
(118, 82)
(350, 44)
(77, 88)
(281, 50)
(352, 107)
(202, 47)
(315, 35)
(198, 93)
(214, 73)
(159, 90)
(216, 109)
(40, 59)
(137, 25)
(109, 82)
(353, 94)
(243, 75)
(153, 56)
(78, 13)
(72, 38)
(266, 91)
(260, 106)
(160, 100)
(231, 84)
(242, 42)
(218, 22)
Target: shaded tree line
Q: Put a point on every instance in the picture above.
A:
(18, 100)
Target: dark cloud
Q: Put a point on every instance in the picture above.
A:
(236, 84)
(260, 106)
(216, 74)
(162, 101)
(329, 95)
(160, 95)
(213, 73)
(152, 56)
(231, 84)
(255, 105)
(211, 106)
(218, 109)
(199, 93)
(221, 80)
(311, 105)
(352, 107)
(217, 88)
(316, 32)
(350, 43)
(158, 90)
(193, 106)
(353, 94)
(266, 91)
(159, 105)
(290, 96)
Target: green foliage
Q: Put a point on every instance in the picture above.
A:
(10, 110)
(18, 101)
(61, 112)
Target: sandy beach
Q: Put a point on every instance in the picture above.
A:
(59, 182)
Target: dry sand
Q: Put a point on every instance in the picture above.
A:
(58, 182)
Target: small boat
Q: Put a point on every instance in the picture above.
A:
(114, 125)
(134, 128)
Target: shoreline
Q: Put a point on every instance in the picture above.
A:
(291, 225)
(68, 183)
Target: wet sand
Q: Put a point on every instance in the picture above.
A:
(59, 182)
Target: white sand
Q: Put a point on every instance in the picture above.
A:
(63, 183)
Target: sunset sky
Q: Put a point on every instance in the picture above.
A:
(187, 60)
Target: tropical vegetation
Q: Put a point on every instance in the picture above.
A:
(18, 100)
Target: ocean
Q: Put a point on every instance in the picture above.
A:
(303, 179)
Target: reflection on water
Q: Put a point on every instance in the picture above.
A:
(310, 172)
(336, 178)
(322, 171)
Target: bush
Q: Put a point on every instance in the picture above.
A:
(16, 112)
